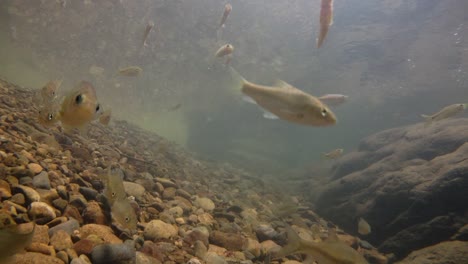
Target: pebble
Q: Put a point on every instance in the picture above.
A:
(42, 211)
(36, 258)
(86, 245)
(101, 231)
(199, 249)
(30, 193)
(18, 199)
(60, 204)
(41, 234)
(89, 193)
(169, 193)
(41, 248)
(157, 229)
(94, 214)
(63, 256)
(61, 240)
(69, 226)
(142, 258)
(134, 189)
(265, 232)
(35, 168)
(41, 180)
(166, 182)
(230, 241)
(114, 253)
(205, 203)
(5, 191)
(176, 211)
(253, 247)
(212, 258)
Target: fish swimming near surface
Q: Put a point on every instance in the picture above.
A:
(330, 251)
(79, 107)
(131, 71)
(148, 29)
(288, 103)
(227, 11)
(326, 20)
(334, 154)
(363, 227)
(333, 99)
(15, 238)
(444, 113)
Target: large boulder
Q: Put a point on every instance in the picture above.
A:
(409, 183)
(452, 252)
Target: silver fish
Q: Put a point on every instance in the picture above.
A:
(445, 112)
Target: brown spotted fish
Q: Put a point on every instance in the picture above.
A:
(49, 91)
(445, 112)
(326, 20)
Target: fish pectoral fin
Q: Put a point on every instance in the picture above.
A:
(248, 99)
(269, 115)
(283, 84)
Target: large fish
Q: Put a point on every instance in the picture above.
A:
(330, 251)
(445, 112)
(326, 20)
(288, 103)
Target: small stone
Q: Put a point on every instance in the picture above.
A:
(36, 258)
(63, 256)
(72, 212)
(169, 193)
(157, 229)
(61, 240)
(85, 246)
(101, 231)
(5, 191)
(69, 226)
(200, 233)
(94, 214)
(230, 241)
(18, 199)
(166, 182)
(253, 246)
(212, 258)
(30, 193)
(134, 189)
(42, 180)
(47, 196)
(41, 248)
(88, 193)
(176, 211)
(35, 168)
(265, 232)
(142, 258)
(60, 204)
(206, 219)
(183, 193)
(42, 211)
(205, 203)
(41, 234)
(180, 221)
(199, 249)
(78, 201)
(268, 246)
(114, 253)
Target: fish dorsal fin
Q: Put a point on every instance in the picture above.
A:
(332, 236)
(282, 84)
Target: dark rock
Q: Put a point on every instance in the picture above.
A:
(88, 193)
(265, 232)
(114, 253)
(452, 252)
(402, 178)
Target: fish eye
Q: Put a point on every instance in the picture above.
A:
(300, 115)
(324, 112)
(127, 219)
(113, 194)
(98, 107)
(50, 117)
(79, 99)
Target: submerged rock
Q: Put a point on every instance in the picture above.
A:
(404, 182)
(452, 252)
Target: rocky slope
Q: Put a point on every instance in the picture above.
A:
(188, 211)
(410, 183)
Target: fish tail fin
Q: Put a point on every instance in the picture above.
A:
(294, 244)
(237, 77)
(428, 120)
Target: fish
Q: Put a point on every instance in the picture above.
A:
(15, 238)
(227, 11)
(326, 20)
(286, 102)
(149, 27)
(330, 251)
(79, 107)
(363, 227)
(105, 117)
(48, 115)
(226, 49)
(444, 113)
(131, 71)
(333, 99)
(124, 215)
(174, 108)
(334, 154)
(49, 91)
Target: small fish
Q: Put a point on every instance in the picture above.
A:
(105, 117)
(80, 106)
(49, 115)
(148, 29)
(174, 108)
(15, 238)
(334, 154)
(131, 71)
(329, 251)
(113, 182)
(14, 33)
(326, 20)
(333, 99)
(124, 215)
(288, 103)
(227, 11)
(363, 227)
(446, 112)
(224, 50)
(49, 91)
